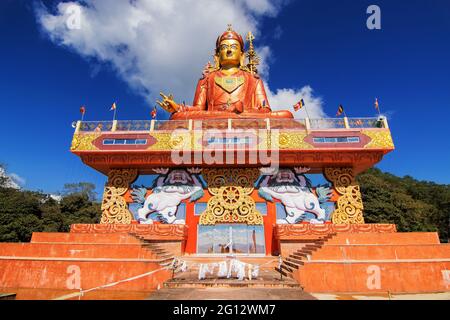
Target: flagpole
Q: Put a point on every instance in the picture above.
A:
(114, 116)
(306, 109)
(378, 107)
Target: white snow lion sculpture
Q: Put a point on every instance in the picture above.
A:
(294, 190)
(169, 189)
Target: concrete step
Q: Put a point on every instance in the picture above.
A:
(286, 268)
(290, 264)
(307, 251)
(296, 261)
(312, 246)
(232, 283)
(299, 256)
(7, 296)
(284, 273)
(211, 293)
(266, 278)
(153, 247)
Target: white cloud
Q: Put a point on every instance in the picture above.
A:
(56, 197)
(160, 45)
(11, 180)
(287, 98)
(17, 179)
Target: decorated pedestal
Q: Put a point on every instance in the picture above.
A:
(230, 181)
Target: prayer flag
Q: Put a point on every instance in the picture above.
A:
(299, 105)
(340, 110)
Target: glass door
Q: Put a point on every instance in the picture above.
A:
(231, 239)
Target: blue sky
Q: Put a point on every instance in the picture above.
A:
(323, 44)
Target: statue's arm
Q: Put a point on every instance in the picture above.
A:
(262, 103)
(200, 96)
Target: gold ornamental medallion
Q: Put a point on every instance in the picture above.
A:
(229, 84)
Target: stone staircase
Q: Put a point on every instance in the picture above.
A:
(297, 258)
(164, 256)
(269, 285)
(267, 277)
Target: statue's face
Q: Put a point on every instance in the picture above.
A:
(230, 53)
(285, 176)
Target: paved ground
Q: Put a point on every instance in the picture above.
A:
(383, 296)
(230, 294)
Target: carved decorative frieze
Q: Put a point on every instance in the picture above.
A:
(114, 205)
(299, 231)
(380, 139)
(231, 201)
(349, 206)
(84, 142)
(293, 140)
(149, 231)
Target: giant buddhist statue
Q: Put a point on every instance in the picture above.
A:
(230, 88)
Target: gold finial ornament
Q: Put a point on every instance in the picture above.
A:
(253, 58)
(230, 27)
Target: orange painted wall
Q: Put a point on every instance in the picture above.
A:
(394, 277)
(55, 274)
(73, 250)
(381, 252)
(97, 238)
(383, 238)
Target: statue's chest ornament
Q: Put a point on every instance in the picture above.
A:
(229, 84)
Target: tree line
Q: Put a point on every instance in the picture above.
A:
(410, 204)
(23, 212)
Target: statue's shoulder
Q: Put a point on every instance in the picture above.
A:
(208, 74)
(251, 74)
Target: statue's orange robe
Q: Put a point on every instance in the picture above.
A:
(247, 100)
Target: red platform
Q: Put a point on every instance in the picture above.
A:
(364, 259)
(331, 258)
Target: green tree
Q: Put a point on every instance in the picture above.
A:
(77, 208)
(24, 212)
(412, 205)
(84, 188)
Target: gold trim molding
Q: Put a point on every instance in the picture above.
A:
(349, 205)
(380, 139)
(293, 141)
(83, 142)
(114, 207)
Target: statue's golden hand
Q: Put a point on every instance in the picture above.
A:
(169, 104)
